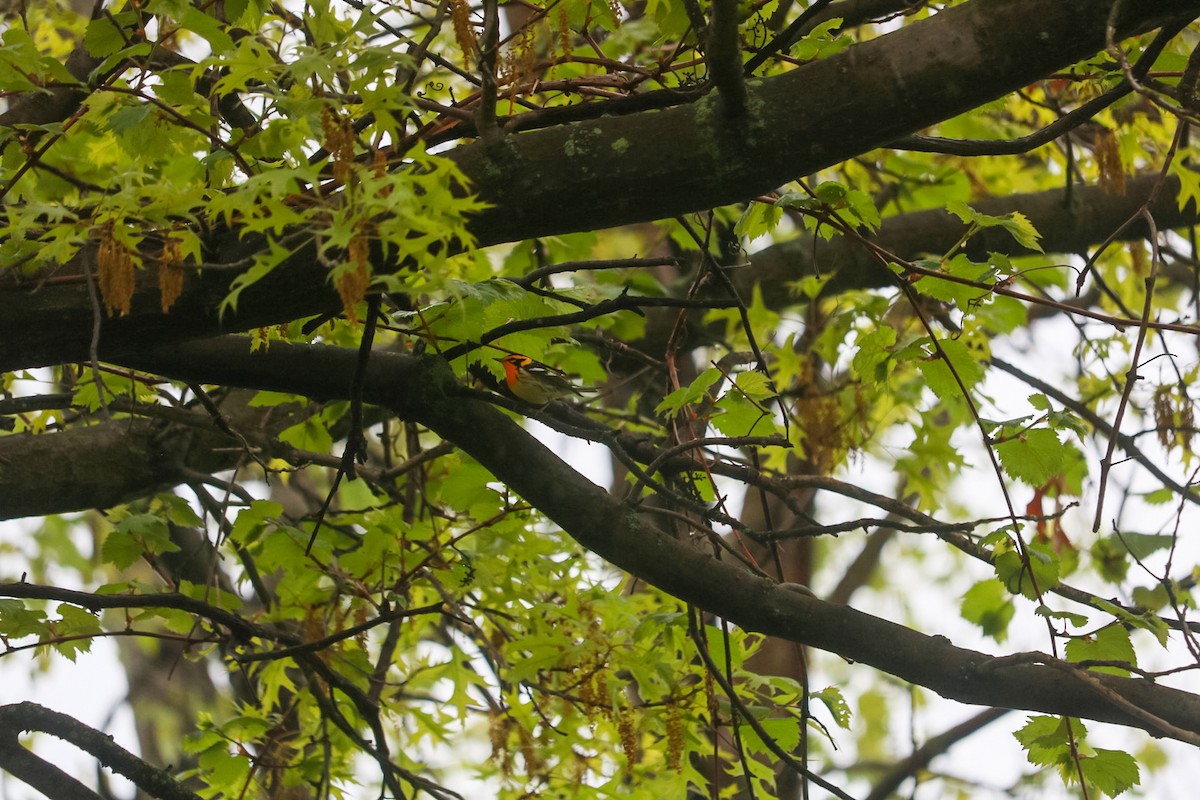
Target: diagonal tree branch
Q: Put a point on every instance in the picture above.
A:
(52, 781)
(424, 390)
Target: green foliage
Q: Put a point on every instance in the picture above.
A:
(422, 619)
(134, 536)
(1110, 643)
(1059, 742)
(1033, 456)
(989, 606)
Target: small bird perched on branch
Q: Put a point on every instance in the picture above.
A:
(534, 382)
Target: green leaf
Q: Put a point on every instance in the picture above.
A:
(1110, 643)
(830, 192)
(689, 394)
(1142, 545)
(1033, 456)
(862, 206)
(1159, 497)
(872, 362)
(1147, 622)
(1077, 620)
(253, 519)
(1041, 574)
(784, 731)
(939, 373)
(310, 435)
(103, 38)
(754, 385)
(209, 28)
(1047, 740)
(758, 220)
(77, 626)
(836, 703)
(135, 536)
(179, 510)
(1112, 771)
(1015, 223)
(18, 621)
(961, 294)
(990, 607)
(740, 417)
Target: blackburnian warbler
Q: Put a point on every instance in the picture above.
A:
(533, 382)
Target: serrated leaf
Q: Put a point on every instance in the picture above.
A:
(120, 549)
(953, 291)
(1015, 223)
(1039, 401)
(135, 536)
(939, 373)
(1159, 497)
(874, 353)
(17, 621)
(740, 417)
(252, 519)
(1033, 456)
(689, 394)
(754, 385)
(310, 435)
(75, 621)
(836, 703)
(1110, 643)
(784, 731)
(103, 37)
(758, 220)
(180, 511)
(1112, 771)
(1147, 622)
(1041, 574)
(863, 207)
(1046, 739)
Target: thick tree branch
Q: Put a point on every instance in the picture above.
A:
(424, 390)
(639, 167)
(53, 782)
(102, 465)
(1071, 220)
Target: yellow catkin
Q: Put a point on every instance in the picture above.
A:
(1164, 417)
(460, 15)
(313, 629)
(379, 168)
(1137, 257)
(116, 274)
(564, 30)
(498, 726)
(674, 736)
(353, 281)
(170, 274)
(628, 734)
(531, 754)
(1108, 162)
(339, 141)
